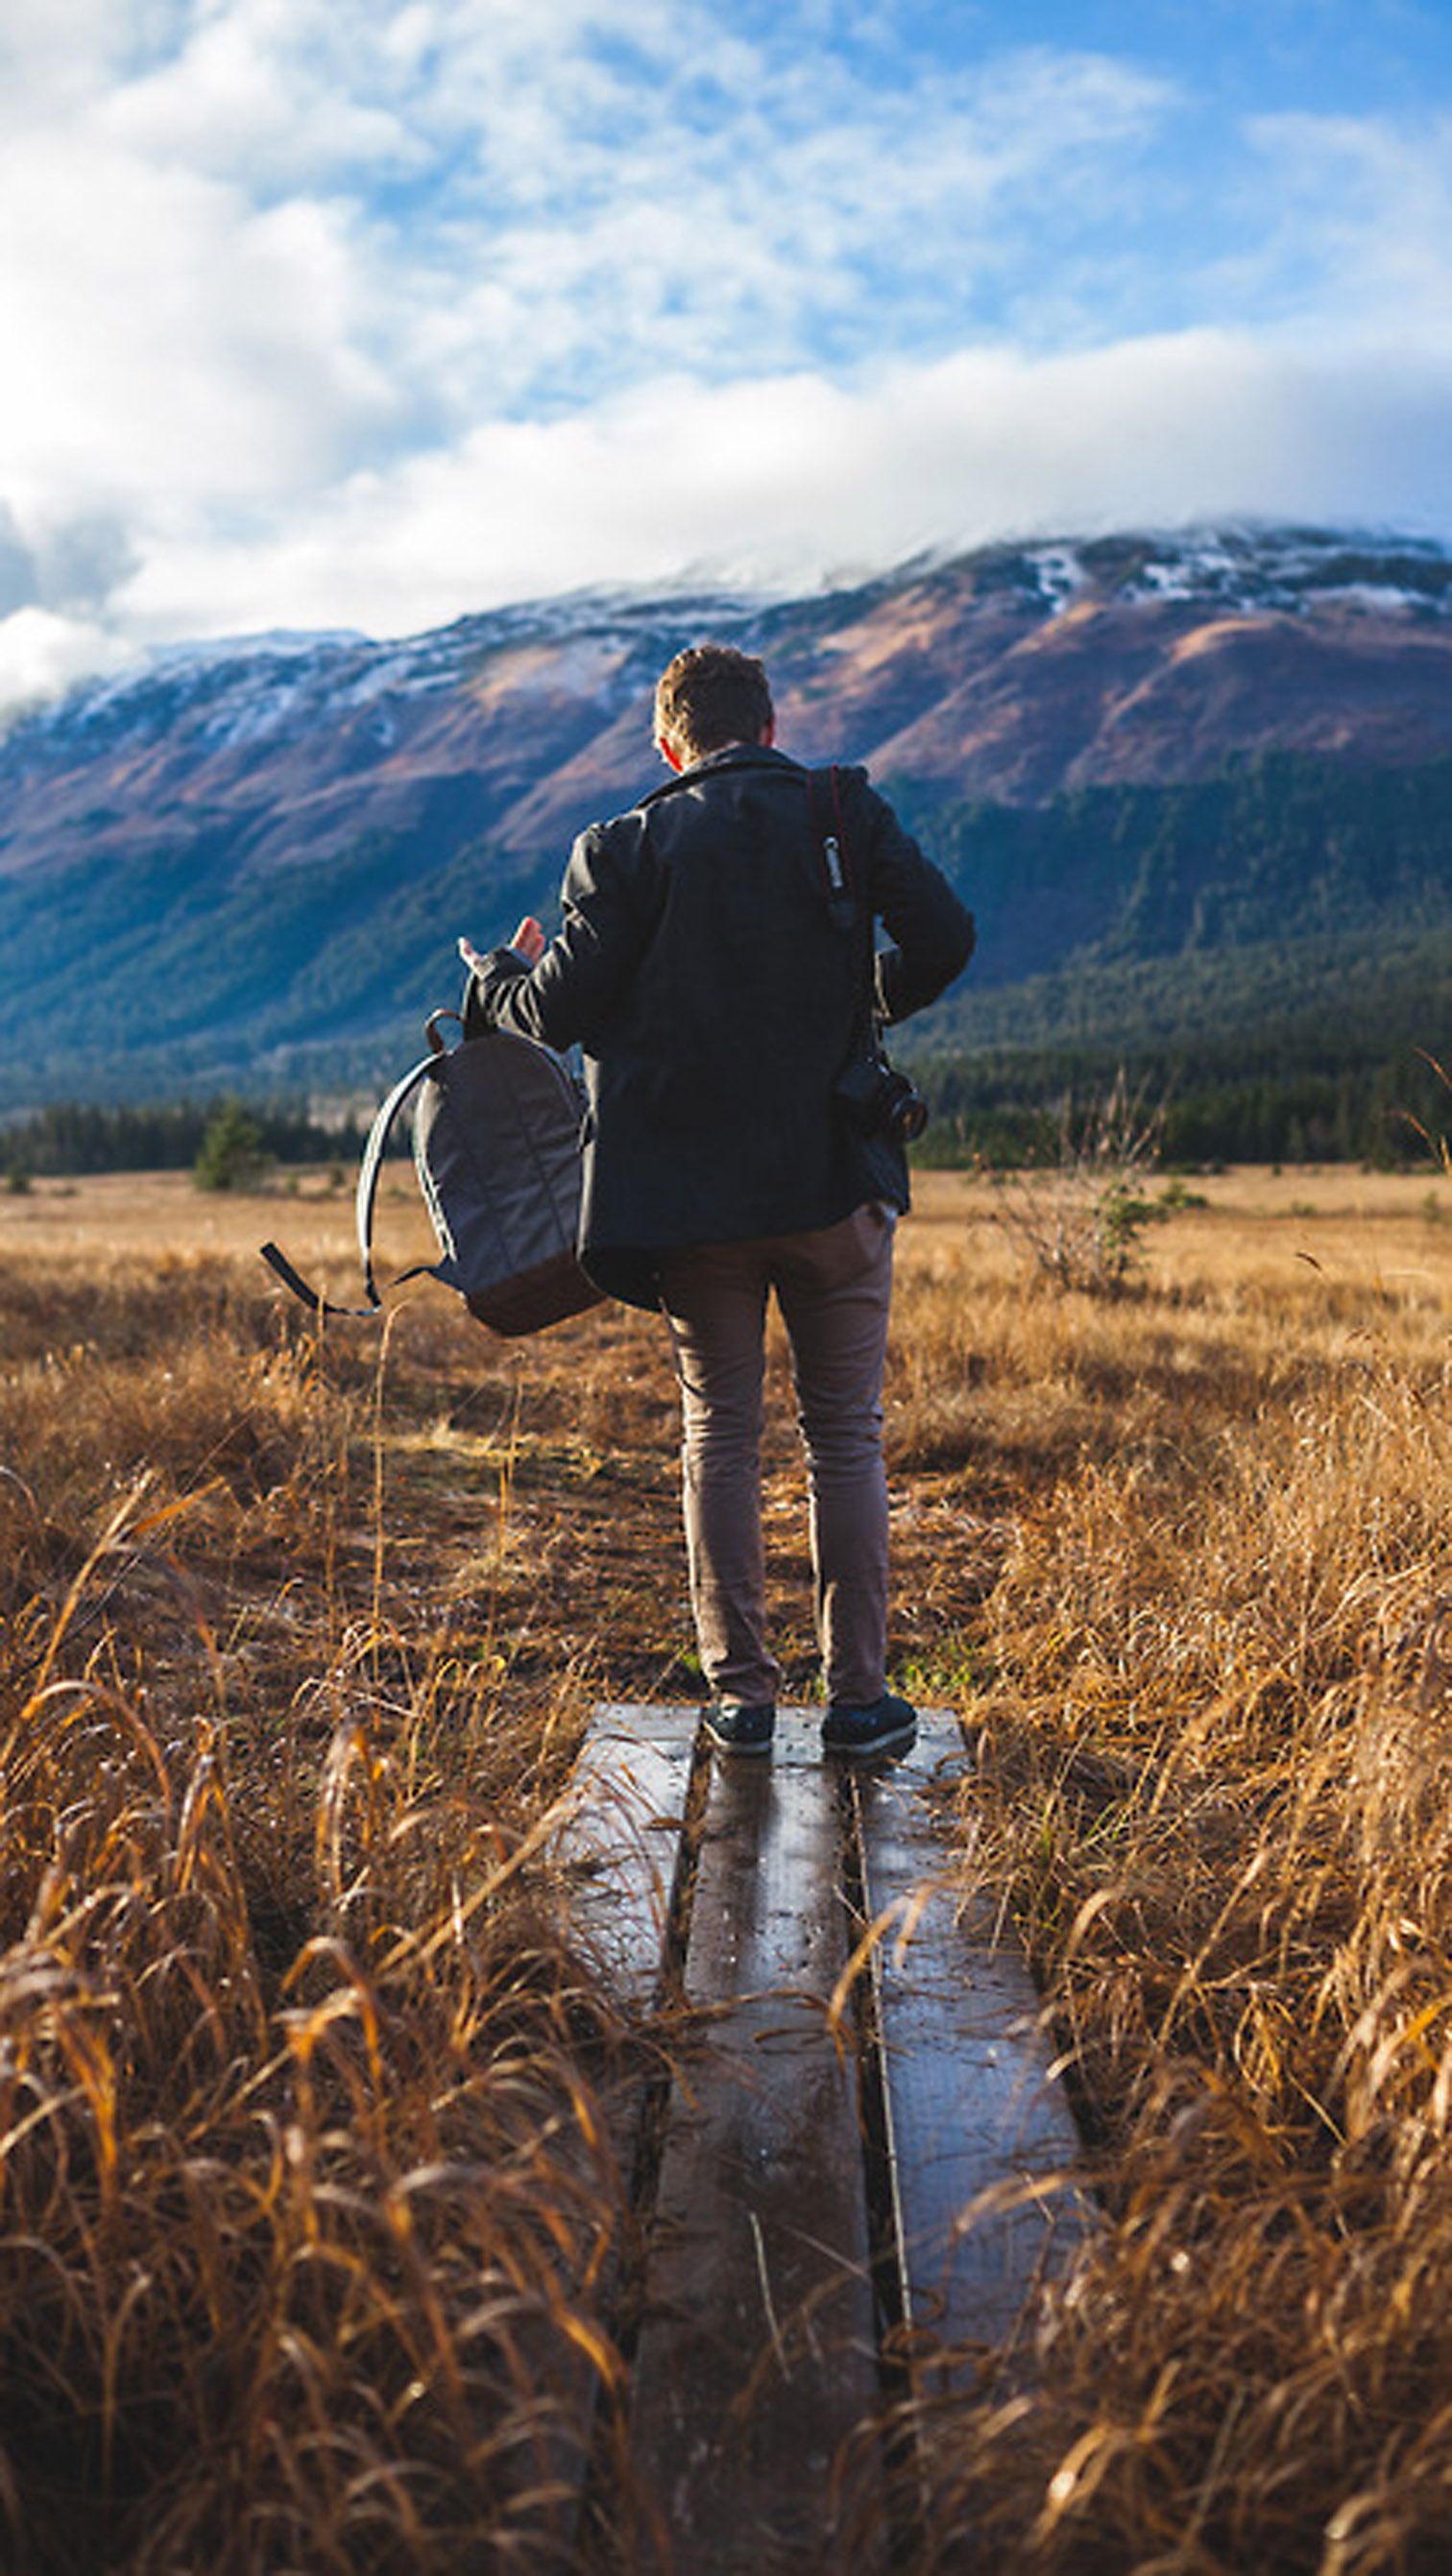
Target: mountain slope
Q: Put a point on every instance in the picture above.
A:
(247, 865)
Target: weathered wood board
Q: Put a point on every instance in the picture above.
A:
(798, 2139)
(757, 2355)
(983, 2143)
(620, 1848)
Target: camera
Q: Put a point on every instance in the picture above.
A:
(880, 1101)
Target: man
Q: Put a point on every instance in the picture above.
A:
(715, 960)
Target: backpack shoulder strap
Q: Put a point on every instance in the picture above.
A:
(367, 1198)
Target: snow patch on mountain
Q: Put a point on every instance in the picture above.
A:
(253, 689)
(606, 645)
(1240, 571)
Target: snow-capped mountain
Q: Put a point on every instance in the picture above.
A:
(244, 851)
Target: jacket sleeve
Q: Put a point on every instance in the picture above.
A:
(605, 926)
(932, 932)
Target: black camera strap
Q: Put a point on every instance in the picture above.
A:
(868, 1075)
(831, 833)
(842, 883)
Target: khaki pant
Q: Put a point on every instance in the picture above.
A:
(834, 1288)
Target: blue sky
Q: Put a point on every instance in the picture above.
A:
(373, 312)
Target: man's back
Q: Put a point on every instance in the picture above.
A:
(716, 991)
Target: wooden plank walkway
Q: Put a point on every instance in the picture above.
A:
(858, 2174)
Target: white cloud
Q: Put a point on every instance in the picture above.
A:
(786, 480)
(1360, 211)
(60, 58)
(41, 654)
(375, 311)
(268, 91)
(316, 225)
(163, 334)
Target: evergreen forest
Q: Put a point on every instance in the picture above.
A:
(1265, 955)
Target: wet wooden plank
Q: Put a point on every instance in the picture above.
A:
(619, 1850)
(981, 2131)
(756, 2356)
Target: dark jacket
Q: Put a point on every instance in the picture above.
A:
(718, 1001)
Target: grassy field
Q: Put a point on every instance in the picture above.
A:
(309, 2196)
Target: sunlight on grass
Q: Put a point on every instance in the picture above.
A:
(308, 2150)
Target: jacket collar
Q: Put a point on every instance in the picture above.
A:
(737, 755)
(742, 755)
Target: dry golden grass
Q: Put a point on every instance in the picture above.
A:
(1215, 1679)
(308, 2192)
(307, 2189)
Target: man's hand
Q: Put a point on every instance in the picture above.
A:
(528, 942)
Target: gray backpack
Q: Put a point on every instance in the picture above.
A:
(496, 1145)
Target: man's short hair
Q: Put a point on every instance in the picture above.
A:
(710, 695)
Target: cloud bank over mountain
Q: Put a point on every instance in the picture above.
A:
(373, 312)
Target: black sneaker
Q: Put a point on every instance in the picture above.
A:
(888, 1726)
(734, 1726)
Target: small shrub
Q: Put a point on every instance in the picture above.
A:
(231, 1157)
(1082, 1213)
